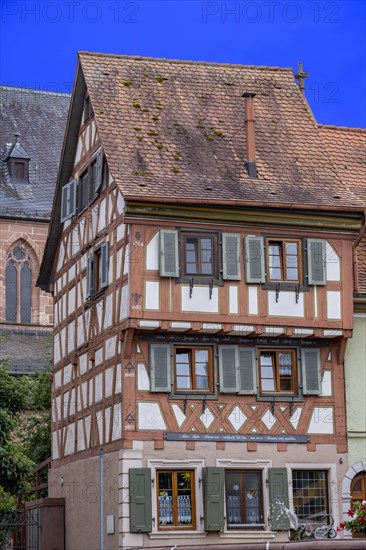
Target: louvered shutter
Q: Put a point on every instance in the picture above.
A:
(316, 262)
(99, 170)
(90, 278)
(213, 493)
(104, 264)
(278, 499)
(64, 202)
(160, 368)
(247, 371)
(231, 256)
(140, 500)
(169, 264)
(228, 369)
(254, 260)
(311, 371)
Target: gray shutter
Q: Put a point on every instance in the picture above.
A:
(99, 170)
(169, 266)
(213, 493)
(90, 287)
(311, 371)
(316, 262)
(65, 203)
(231, 256)
(104, 264)
(160, 368)
(247, 371)
(228, 368)
(278, 499)
(254, 260)
(140, 500)
(72, 198)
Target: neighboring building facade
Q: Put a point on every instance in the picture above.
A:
(348, 150)
(32, 129)
(199, 255)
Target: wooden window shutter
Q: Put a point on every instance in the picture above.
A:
(160, 368)
(99, 170)
(311, 371)
(104, 264)
(247, 371)
(254, 260)
(72, 204)
(278, 499)
(64, 203)
(228, 369)
(316, 262)
(213, 494)
(90, 277)
(140, 500)
(169, 262)
(231, 256)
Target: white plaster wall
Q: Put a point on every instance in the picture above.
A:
(233, 299)
(252, 300)
(333, 268)
(152, 295)
(286, 305)
(333, 304)
(200, 301)
(150, 417)
(152, 253)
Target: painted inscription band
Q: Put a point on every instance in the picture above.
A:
(237, 438)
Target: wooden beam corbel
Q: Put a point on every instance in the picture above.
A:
(341, 350)
(128, 341)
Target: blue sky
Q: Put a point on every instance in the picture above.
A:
(39, 41)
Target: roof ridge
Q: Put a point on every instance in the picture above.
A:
(185, 61)
(33, 90)
(342, 128)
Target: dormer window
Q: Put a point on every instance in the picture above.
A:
(19, 170)
(18, 162)
(88, 110)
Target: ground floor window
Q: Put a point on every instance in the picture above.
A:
(310, 493)
(176, 503)
(244, 501)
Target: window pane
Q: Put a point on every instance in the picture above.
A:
(285, 371)
(183, 369)
(267, 371)
(206, 256)
(18, 253)
(191, 256)
(25, 294)
(184, 500)
(292, 274)
(201, 369)
(201, 356)
(252, 497)
(11, 293)
(268, 385)
(165, 500)
(234, 502)
(310, 490)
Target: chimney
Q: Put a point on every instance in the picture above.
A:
(300, 77)
(250, 134)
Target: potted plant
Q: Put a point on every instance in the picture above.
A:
(357, 520)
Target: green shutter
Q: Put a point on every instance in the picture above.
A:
(104, 264)
(311, 371)
(231, 256)
(213, 493)
(247, 371)
(316, 262)
(169, 264)
(140, 500)
(228, 369)
(72, 203)
(160, 368)
(278, 499)
(99, 170)
(254, 260)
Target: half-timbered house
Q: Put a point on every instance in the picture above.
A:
(200, 259)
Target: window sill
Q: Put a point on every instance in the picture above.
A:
(278, 398)
(178, 535)
(256, 534)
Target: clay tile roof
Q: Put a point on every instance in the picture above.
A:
(347, 147)
(40, 118)
(175, 130)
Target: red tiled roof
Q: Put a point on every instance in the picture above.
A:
(347, 147)
(175, 130)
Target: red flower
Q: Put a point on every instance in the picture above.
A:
(350, 513)
(362, 520)
(341, 526)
